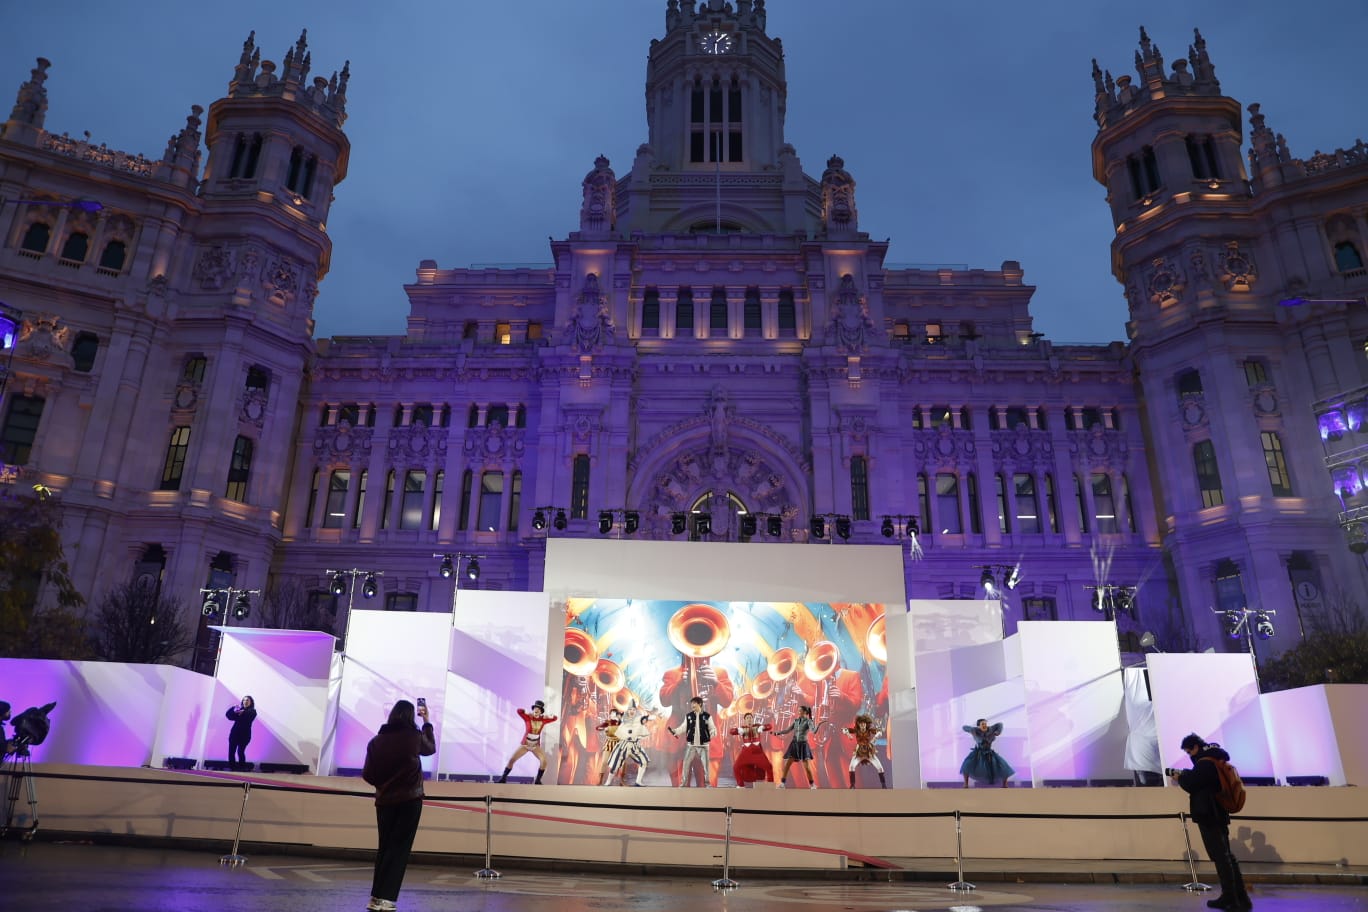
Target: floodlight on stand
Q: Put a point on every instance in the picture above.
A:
(818, 527)
(749, 524)
(1263, 625)
(1357, 534)
(1013, 578)
(605, 522)
(448, 568)
(369, 588)
(631, 521)
(678, 523)
(242, 606)
(703, 523)
(988, 582)
(539, 519)
(843, 527)
(912, 528)
(1232, 621)
(774, 526)
(886, 529)
(473, 569)
(1147, 641)
(338, 586)
(211, 606)
(560, 522)
(1123, 600)
(1099, 599)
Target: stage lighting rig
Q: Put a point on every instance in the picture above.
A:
(905, 527)
(549, 515)
(1249, 623)
(370, 586)
(678, 523)
(629, 521)
(217, 601)
(750, 525)
(451, 568)
(1109, 600)
(774, 525)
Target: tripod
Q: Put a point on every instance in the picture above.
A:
(18, 768)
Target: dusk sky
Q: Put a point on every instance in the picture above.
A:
(967, 125)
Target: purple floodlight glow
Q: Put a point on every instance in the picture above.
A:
(9, 330)
(1332, 425)
(1354, 414)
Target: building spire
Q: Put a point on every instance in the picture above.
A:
(30, 104)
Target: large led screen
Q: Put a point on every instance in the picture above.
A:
(768, 658)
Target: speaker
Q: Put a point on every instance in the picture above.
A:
(297, 769)
(178, 763)
(1307, 780)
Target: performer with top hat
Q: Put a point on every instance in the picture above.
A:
(534, 722)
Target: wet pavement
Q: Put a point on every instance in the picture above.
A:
(91, 878)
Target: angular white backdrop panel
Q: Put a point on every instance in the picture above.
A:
(285, 672)
(1071, 671)
(1302, 736)
(1216, 696)
(390, 656)
(499, 658)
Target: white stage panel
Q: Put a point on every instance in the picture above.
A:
(1071, 671)
(390, 656)
(1301, 734)
(1214, 695)
(286, 674)
(499, 662)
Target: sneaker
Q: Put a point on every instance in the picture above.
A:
(381, 905)
(813, 786)
(781, 785)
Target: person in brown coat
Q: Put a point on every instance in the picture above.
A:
(393, 767)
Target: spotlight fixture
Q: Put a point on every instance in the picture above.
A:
(560, 522)
(1263, 625)
(1233, 620)
(703, 524)
(473, 569)
(749, 524)
(1123, 600)
(338, 586)
(843, 527)
(1013, 578)
(211, 606)
(988, 583)
(448, 568)
(1099, 599)
(886, 530)
(678, 523)
(242, 606)
(818, 527)
(912, 528)
(1357, 534)
(774, 526)
(605, 522)
(539, 520)
(369, 588)
(631, 521)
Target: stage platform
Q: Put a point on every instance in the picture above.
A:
(772, 829)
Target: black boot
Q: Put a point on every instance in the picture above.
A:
(540, 773)
(883, 782)
(507, 770)
(852, 778)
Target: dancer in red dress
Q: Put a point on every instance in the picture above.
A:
(751, 764)
(534, 722)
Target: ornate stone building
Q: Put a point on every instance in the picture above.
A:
(719, 351)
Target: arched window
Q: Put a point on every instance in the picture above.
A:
(1347, 257)
(83, 351)
(388, 503)
(467, 483)
(114, 256)
(411, 509)
(335, 509)
(36, 238)
(491, 500)
(1027, 504)
(948, 504)
(76, 247)
(360, 500)
(473, 416)
(174, 465)
(313, 499)
(438, 484)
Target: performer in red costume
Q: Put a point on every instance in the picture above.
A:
(751, 764)
(677, 688)
(864, 731)
(531, 742)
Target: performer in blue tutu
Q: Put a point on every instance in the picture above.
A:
(985, 765)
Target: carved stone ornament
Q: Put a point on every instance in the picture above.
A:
(720, 415)
(214, 268)
(597, 213)
(1192, 410)
(253, 409)
(838, 197)
(186, 398)
(1166, 281)
(944, 447)
(342, 441)
(850, 323)
(590, 327)
(1238, 271)
(1098, 448)
(417, 442)
(494, 442)
(44, 337)
(280, 283)
(738, 471)
(1265, 400)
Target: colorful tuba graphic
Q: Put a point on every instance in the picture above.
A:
(581, 652)
(823, 657)
(699, 632)
(608, 676)
(876, 641)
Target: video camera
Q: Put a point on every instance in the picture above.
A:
(31, 727)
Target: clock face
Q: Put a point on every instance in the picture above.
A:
(717, 43)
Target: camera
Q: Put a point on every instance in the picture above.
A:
(1171, 772)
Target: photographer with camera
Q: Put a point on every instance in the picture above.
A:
(5, 746)
(1203, 785)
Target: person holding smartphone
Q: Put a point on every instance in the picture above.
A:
(394, 768)
(242, 715)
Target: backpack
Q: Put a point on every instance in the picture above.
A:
(1231, 796)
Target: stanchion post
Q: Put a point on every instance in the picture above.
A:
(233, 859)
(961, 883)
(488, 873)
(725, 882)
(1194, 885)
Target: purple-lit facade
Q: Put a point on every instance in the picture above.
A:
(718, 336)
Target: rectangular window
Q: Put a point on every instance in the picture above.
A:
(193, 371)
(360, 500)
(1104, 502)
(239, 470)
(975, 511)
(313, 500)
(514, 501)
(438, 483)
(21, 427)
(717, 311)
(503, 333)
(1130, 505)
(939, 417)
(491, 499)
(1277, 465)
(174, 467)
(1004, 508)
(788, 314)
(335, 510)
(422, 414)
(924, 503)
(1082, 505)
(750, 312)
(1255, 373)
(1027, 504)
(1230, 594)
(388, 504)
(948, 505)
(684, 313)
(934, 335)
(1052, 503)
(467, 486)
(401, 601)
(534, 331)
(497, 414)
(650, 311)
(1208, 474)
(579, 488)
(859, 488)
(411, 508)
(1039, 609)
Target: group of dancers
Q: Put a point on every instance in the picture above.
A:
(623, 733)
